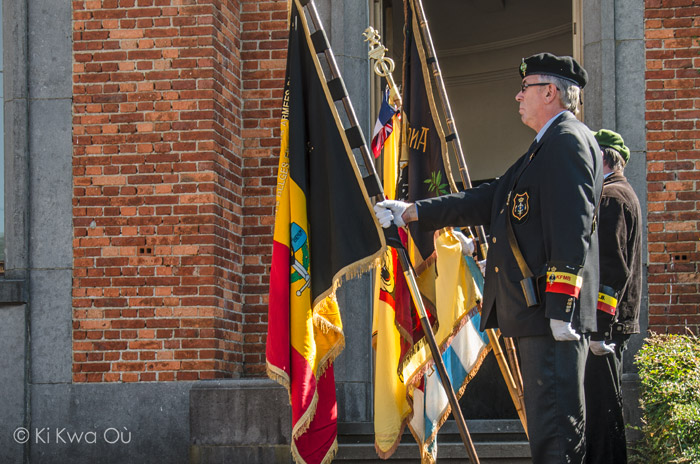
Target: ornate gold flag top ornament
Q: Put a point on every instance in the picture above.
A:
(383, 65)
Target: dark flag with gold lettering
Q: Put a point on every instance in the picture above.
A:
(428, 171)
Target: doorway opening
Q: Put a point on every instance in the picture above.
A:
(479, 45)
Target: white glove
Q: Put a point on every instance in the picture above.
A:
(563, 331)
(389, 211)
(600, 348)
(467, 243)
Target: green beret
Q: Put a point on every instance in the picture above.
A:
(608, 138)
(560, 66)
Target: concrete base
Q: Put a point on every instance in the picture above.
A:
(12, 380)
(109, 423)
(631, 409)
(248, 454)
(249, 421)
(240, 421)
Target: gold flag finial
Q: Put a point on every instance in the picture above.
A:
(383, 65)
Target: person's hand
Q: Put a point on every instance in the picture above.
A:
(600, 348)
(389, 211)
(467, 243)
(563, 331)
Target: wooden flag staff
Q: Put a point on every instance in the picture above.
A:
(375, 189)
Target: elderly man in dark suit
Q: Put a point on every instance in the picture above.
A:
(541, 282)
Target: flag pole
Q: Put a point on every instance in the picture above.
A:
(392, 233)
(514, 383)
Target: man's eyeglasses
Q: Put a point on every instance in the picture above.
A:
(524, 86)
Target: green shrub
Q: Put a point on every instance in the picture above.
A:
(669, 371)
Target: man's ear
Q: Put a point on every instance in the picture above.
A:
(550, 94)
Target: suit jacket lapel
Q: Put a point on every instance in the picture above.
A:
(561, 118)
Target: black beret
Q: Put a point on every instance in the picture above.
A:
(560, 66)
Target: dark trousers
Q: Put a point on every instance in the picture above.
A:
(605, 424)
(554, 402)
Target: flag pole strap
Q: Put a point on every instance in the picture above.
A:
(322, 45)
(453, 136)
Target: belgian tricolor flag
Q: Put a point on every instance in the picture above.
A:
(325, 231)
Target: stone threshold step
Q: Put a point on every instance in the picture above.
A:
(480, 430)
(517, 452)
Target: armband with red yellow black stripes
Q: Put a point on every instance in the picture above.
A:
(565, 279)
(607, 299)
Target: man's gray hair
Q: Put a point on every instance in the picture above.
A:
(569, 93)
(613, 159)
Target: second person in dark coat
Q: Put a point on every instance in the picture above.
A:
(619, 301)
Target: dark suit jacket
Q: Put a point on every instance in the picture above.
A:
(620, 239)
(552, 211)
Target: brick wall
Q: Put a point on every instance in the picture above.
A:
(672, 30)
(264, 53)
(159, 191)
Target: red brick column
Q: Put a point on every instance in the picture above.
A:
(159, 191)
(672, 29)
(264, 54)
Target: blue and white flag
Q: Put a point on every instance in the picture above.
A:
(459, 288)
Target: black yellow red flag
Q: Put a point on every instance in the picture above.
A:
(325, 231)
